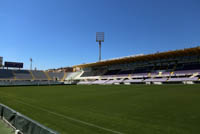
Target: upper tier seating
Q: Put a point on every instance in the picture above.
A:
(85, 74)
(112, 72)
(191, 66)
(125, 72)
(142, 69)
(22, 74)
(160, 67)
(39, 75)
(137, 70)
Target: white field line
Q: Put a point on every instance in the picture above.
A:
(72, 119)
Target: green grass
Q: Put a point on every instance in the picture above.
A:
(133, 109)
(4, 129)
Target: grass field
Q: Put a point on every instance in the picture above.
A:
(133, 109)
(4, 129)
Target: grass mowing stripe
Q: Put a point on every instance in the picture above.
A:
(67, 117)
(72, 119)
(134, 109)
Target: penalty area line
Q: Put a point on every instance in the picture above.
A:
(72, 119)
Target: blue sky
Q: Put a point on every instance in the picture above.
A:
(59, 33)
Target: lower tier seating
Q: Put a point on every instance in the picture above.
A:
(56, 75)
(22, 75)
(6, 74)
(39, 75)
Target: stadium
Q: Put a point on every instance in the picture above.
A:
(73, 85)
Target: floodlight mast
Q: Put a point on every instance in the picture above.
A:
(100, 38)
(31, 60)
(99, 50)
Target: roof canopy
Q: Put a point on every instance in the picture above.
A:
(148, 57)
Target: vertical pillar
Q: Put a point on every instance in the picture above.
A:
(99, 50)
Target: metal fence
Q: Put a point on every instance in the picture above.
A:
(23, 123)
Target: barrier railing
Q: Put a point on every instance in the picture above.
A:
(22, 123)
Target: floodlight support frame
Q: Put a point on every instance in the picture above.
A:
(99, 50)
(31, 65)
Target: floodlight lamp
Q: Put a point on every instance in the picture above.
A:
(99, 36)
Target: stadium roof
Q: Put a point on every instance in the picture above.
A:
(141, 57)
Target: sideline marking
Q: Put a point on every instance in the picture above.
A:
(72, 119)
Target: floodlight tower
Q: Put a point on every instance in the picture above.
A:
(99, 38)
(31, 60)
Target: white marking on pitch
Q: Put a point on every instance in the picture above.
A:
(72, 119)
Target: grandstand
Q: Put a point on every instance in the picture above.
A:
(39, 75)
(6, 74)
(12, 77)
(179, 66)
(56, 75)
(22, 75)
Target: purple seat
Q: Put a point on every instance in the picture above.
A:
(114, 81)
(133, 81)
(184, 79)
(140, 75)
(156, 80)
(186, 72)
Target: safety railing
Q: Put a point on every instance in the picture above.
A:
(21, 123)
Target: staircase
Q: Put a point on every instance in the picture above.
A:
(14, 75)
(194, 75)
(160, 74)
(65, 75)
(171, 73)
(33, 77)
(47, 75)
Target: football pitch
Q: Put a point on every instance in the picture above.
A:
(109, 109)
